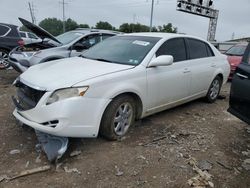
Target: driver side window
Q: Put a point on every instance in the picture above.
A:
(90, 40)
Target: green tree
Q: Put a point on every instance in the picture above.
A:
(70, 24)
(167, 28)
(83, 26)
(52, 25)
(23, 28)
(130, 28)
(103, 25)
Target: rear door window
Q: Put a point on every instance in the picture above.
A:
(4, 30)
(22, 35)
(197, 49)
(32, 36)
(246, 57)
(175, 47)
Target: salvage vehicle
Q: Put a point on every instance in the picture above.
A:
(114, 83)
(9, 39)
(69, 44)
(239, 102)
(29, 37)
(234, 57)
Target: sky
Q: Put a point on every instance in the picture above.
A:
(234, 16)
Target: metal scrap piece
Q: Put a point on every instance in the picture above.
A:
(53, 146)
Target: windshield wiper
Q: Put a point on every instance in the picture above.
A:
(105, 60)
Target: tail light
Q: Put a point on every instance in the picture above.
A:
(21, 42)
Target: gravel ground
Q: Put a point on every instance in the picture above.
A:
(155, 153)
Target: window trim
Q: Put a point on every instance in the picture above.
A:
(185, 45)
(7, 31)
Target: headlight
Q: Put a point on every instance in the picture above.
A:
(62, 94)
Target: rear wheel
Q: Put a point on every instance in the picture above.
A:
(118, 117)
(4, 64)
(214, 90)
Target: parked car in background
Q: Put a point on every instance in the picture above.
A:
(117, 81)
(69, 44)
(239, 103)
(29, 37)
(235, 55)
(9, 39)
(224, 46)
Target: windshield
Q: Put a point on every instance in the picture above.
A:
(68, 37)
(237, 50)
(129, 50)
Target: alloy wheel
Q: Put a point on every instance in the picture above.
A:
(3, 60)
(215, 89)
(123, 118)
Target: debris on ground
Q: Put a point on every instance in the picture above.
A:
(246, 153)
(74, 170)
(118, 171)
(38, 160)
(15, 151)
(202, 179)
(53, 146)
(26, 173)
(27, 164)
(3, 177)
(205, 165)
(75, 153)
(224, 165)
(246, 164)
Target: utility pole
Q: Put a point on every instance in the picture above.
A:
(31, 9)
(152, 14)
(63, 6)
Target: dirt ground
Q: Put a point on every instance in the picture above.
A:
(154, 154)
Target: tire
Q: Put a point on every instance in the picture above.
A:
(118, 117)
(214, 90)
(4, 55)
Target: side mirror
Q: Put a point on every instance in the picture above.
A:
(80, 47)
(163, 60)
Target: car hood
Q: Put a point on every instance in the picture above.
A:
(67, 72)
(234, 60)
(40, 32)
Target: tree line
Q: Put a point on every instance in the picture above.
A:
(55, 26)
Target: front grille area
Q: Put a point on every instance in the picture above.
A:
(27, 97)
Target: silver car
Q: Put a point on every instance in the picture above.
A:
(69, 44)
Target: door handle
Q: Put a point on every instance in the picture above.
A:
(186, 70)
(242, 76)
(213, 65)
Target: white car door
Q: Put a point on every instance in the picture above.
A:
(169, 84)
(202, 63)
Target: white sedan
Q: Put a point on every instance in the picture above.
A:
(118, 81)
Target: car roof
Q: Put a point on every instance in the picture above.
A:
(164, 35)
(87, 31)
(9, 25)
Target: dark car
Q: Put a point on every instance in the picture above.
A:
(9, 39)
(239, 103)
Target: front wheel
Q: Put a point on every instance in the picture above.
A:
(118, 117)
(214, 90)
(4, 64)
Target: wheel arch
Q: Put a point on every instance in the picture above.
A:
(137, 99)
